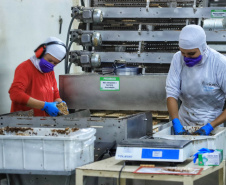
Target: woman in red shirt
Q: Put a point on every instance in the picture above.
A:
(34, 85)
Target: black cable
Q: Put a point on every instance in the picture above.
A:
(69, 67)
(8, 180)
(108, 73)
(121, 172)
(68, 33)
(82, 3)
(114, 69)
(66, 58)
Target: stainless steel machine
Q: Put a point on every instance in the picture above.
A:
(127, 50)
(135, 42)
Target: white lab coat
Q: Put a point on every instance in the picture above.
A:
(201, 88)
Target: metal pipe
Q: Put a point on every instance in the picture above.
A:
(187, 21)
(194, 6)
(139, 48)
(199, 22)
(147, 5)
(213, 24)
(139, 29)
(205, 3)
(88, 5)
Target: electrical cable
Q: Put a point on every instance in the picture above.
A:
(82, 3)
(7, 177)
(114, 68)
(69, 67)
(68, 33)
(121, 172)
(66, 58)
(108, 73)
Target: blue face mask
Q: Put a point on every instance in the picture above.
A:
(45, 66)
(190, 62)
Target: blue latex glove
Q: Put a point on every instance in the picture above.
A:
(201, 151)
(178, 128)
(205, 130)
(63, 102)
(51, 109)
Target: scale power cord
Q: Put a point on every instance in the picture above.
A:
(119, 176)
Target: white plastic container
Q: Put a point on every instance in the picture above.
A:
(46, 150)
(215, 141)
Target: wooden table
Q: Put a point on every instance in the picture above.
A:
(110, 168)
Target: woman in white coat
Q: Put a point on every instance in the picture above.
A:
(197, 77)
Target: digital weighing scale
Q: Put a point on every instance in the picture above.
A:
(155, 149)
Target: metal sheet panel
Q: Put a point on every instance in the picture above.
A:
(144, 92)
(138, 12)
(139, 124)
(145, 57)
(154, 36)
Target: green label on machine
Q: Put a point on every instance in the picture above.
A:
(218, 13)
(109, 83)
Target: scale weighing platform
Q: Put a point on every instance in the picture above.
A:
(155, 149)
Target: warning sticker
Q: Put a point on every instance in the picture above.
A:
(109, 84)
(218, 13)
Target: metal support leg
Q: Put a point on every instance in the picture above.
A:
(122, 182)
(188, 181)
(79, 177)
(68, 179)
(221, 174)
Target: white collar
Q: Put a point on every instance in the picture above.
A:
(36, 62)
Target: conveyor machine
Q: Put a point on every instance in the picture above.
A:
(127, 47)
(127, 50)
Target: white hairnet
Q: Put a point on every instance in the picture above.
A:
(191, 37)
(56, 50)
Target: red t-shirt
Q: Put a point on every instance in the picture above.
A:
(30, 82)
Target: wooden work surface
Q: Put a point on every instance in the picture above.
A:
(110, 168)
